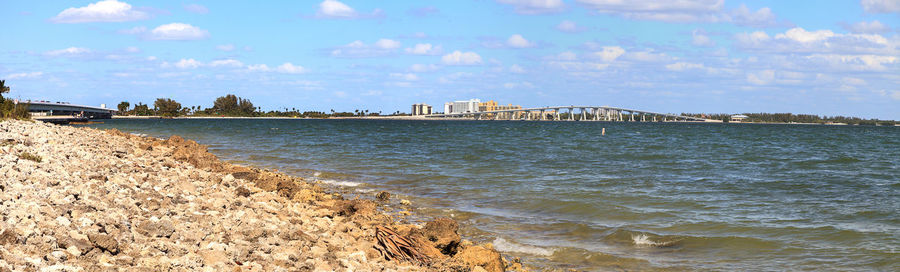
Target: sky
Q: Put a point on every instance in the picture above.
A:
(712, 56)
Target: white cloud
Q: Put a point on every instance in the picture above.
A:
(337, 10)
(515, 68)
(422, 68)
(178, 32)
(258, 68)
(133, 31)
(853, 81)
(461, 58)
(803, 36)
(333, 8)
(609, 53)
(569, 26)
(868, 27)
(880, 6)
(226, 63)
(853, 62)
(188, 64)
(647, 56)
(196, 8)
(359, 49)
(682, 66)
(763, 77)
(517, 41)
(700, 39)
(68, 52)
(340, 94)
(132, 49)
(760, 18)
(568, 55)
(289, 68)
(103, 11)
(535, 6)
(668, 11)
(407, 76)
(387, 44)
(895, 95)
(798, 41)
(518, 85)
(225, 47)
(424, 49)
(24, 75)
(755, 39)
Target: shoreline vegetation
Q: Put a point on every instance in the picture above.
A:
(790, 118)
(80, 198)
(10, 109)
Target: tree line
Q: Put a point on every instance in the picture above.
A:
(226, 106)
(8, 107)
(795, 118)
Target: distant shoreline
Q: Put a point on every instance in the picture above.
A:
(423, 118)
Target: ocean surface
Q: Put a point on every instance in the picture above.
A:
(645, 196)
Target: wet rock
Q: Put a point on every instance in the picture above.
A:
(249, 176)
(483, 256)
(443, 233)
(383, 196)
(354, 207)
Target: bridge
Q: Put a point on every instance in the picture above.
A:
(585, 113)
(62, 112)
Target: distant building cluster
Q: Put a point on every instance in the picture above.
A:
(475, 105)
(464, 106)
(421, 109)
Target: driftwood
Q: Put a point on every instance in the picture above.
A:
(398, 248)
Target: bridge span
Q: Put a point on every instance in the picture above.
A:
(584, 113)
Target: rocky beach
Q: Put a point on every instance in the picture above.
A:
(81, 199)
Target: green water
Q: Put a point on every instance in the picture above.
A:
(646, 196)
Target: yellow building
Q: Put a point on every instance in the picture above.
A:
(492, 105)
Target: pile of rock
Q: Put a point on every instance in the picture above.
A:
(99, 200)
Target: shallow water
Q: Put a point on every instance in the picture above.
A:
(646, 196)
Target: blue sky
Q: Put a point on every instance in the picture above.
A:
(820, 57)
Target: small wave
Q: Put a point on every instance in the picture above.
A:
(507, 246)
(365, 191)
(316, 174)
(644, 240)
(340, 183)
(139, 134)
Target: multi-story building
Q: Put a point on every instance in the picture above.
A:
(421, 109)
(492, 105)
(463, 106)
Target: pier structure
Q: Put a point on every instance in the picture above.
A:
(574, 113)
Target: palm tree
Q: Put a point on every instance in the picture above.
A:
(3, 88)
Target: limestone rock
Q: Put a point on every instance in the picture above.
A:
(483, 256)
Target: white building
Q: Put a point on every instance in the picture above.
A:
(462, 106)
(421, 109)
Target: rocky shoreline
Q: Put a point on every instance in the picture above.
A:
(80, 199)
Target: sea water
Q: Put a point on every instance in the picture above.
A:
(645, 196)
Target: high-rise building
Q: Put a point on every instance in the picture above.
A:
(492, 105)
(421, 109)
(463, 106)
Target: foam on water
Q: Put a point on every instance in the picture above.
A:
(340, 182)
(508, 246)
(644, 240)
